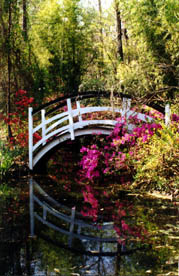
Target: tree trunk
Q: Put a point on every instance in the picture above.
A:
(126, 42)
(119, 31)
(101, 38)
(25, 19)
(9, 69)
(101, 27)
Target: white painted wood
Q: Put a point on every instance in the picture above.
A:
(86, 110)
(129, 113)
(56, 117)
(70, 116)
(30, 138)
(79, 111)
(77, 125)
(48, 121)
(43, 125)
(91, 109)
(50, 135)
(138, 115)
(37, 128)
(167, 114)
(94, 122)
(126, 104)
(56, 124)
(65, 137)
(58, 129)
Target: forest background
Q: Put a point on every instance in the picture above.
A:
(49, 48)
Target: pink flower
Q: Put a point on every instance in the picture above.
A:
(65, 108)
(144, 138)
(125, 227)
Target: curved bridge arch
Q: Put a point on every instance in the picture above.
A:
(65, 137)
(58, 125)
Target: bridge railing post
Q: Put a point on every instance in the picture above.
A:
(31, 198)
(167, 114)
(78, 108)
(70, 117)
(30, 138)
(43, 125)
(71, 226)
(126, 104)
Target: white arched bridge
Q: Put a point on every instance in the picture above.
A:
(77, 115)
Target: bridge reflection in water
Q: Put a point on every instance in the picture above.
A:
(82, 237)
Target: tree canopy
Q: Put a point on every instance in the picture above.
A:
(51, 47)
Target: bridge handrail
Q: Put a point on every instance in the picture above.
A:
(57, 121)
(90, 94)
(55, 117)
(73, 97)
(79, 112)
(65, 116)
(75, 126)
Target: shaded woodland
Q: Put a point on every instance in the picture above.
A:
(50, 48)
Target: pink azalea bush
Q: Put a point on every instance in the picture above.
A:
(17, 119)
(126, 157)
(113, 156)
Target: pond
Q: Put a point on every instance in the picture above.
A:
(63, 228)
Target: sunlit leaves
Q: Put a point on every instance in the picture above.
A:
(64, 34)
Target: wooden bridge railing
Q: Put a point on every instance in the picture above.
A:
(55, 125)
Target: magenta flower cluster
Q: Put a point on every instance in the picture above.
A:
(115, 152)
(90, 161)
(113, 156)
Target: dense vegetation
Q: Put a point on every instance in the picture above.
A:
(49, 48)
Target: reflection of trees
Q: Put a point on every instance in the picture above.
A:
(21, 256)
(55, 258)
(132, 242)
(146, 213)
(130, 261)
(14, 248)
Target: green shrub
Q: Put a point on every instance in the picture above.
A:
(157, 161)
(7, 158)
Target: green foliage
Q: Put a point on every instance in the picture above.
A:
(71, 45)
(7, 158)
(57, 259)
(92, 84)
(151, 56)
(157, 161)
(19, 68)
(5, 191)
(139, 78)
(64, 35)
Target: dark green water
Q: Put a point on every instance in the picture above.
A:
(45, 254)
(154, 251)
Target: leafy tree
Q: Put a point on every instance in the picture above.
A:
(19, 69)
(64, 34)
(152, 26)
